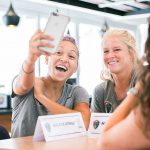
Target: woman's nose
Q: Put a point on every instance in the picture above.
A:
(63, 59)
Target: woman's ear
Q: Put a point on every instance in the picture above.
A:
(46, 60)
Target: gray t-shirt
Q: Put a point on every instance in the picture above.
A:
(26, 109)
(104, 97)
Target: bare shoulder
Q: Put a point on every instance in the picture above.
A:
(125, 135)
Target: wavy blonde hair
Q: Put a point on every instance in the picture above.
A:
(127, 38)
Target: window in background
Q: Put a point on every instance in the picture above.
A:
(90, 56)
(143, 30)
(14, 43)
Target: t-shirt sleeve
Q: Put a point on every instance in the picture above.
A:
(97, 104)
(80, 95)
(13, 94)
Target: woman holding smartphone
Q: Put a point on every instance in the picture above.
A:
(34, 96)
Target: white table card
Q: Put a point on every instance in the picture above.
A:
(97, 121)
(54, 127)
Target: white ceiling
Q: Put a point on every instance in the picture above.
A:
(78, 14)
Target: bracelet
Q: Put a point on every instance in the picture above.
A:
(26, 71)
(134, 91)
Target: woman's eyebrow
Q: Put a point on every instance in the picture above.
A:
(74, 51)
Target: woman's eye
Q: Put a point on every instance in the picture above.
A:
(72, 57)
(58, 53)
(117, 49)
(105, 52)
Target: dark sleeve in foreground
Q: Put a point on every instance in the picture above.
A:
(3, 133)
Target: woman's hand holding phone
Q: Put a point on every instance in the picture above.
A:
(55, 27)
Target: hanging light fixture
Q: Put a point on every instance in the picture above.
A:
(11, 18)
(104, 28)
(68, 32)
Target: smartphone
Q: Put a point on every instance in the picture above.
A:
(55, 27)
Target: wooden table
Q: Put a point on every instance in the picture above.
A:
(26, 143)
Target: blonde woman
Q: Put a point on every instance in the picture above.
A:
(120, 59)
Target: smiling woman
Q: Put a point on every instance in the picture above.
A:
(120, 59)
(51, 94)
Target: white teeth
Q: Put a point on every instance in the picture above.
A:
(60, 66)
(112, 62)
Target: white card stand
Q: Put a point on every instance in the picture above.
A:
(97, 122)
(55, 127)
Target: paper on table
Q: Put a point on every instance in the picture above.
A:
(54, 127)
(97, 122)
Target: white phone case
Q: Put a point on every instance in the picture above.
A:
(55, 27)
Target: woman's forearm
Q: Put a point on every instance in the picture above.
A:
(25, 79)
